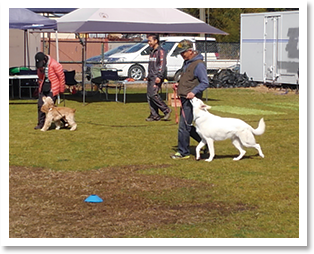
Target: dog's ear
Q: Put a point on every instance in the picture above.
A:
(45, 108)
(44, 98)
(204, 106)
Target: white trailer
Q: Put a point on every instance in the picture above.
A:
(269, 47)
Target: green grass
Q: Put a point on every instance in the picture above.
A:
(115, 134)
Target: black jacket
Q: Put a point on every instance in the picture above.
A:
(157, 64)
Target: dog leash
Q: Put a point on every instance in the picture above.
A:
(175, 106)
(175, 103)
(62, 116)
(183, 114)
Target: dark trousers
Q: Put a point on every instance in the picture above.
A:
(155, 101)
(42, 115)
(186, 130)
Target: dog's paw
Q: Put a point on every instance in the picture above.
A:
(58, 128)
(208, 160)
(42, 129)
(73, 127)
(197, 159)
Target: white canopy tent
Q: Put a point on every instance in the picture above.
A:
(131, 20)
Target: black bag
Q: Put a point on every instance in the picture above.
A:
(46, 87)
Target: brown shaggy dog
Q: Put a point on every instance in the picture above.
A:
(55, 114)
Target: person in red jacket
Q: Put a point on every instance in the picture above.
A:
(51, 82)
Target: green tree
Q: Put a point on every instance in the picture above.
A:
(228, 19)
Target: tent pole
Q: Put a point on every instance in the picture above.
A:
(57, 57)
(206, 62)
(83, 42)
(25, 47)
(57, 46)
(27, 50)
(49, 41)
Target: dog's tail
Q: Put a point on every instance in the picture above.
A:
(260, 129)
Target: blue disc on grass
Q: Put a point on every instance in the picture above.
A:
(93, 199)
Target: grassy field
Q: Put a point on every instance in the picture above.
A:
(126, 161)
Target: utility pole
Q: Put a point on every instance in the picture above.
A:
(202, 17)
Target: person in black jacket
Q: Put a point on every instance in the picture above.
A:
(156, 75)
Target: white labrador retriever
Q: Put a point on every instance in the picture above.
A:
(214, 128)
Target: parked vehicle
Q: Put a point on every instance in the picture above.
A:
(270, 47)
(98, 59)
(133, 62)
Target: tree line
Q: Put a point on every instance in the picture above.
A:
(228, 19)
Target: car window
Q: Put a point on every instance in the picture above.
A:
(146, 51)
(136, 47)
(211, 46)
(167, 46)
(176, 51)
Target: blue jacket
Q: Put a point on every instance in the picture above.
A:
(200, 72)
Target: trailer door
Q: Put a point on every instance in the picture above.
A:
(270, 56)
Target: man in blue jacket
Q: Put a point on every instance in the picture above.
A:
(193, 82)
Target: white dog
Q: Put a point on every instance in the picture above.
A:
(214, 128)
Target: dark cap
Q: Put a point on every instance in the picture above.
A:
(39, 58)
(184, 45)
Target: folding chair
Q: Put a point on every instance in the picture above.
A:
(70, 81)
(95, 77)
(110, 75)
(70, 78)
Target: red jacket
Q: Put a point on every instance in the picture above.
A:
(55, 75)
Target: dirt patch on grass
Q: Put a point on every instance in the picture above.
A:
(45, 203)
(275, 90)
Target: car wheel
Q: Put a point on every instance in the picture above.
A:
(177, 76)
(136, 72)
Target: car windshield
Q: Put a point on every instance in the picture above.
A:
(116, 50)
(136, 47)
(119, 49)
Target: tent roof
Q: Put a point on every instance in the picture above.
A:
(21, 18)
(129, 20)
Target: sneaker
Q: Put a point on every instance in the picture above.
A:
(167, 115)
(150, 118)
(178, 156)
(37, 127)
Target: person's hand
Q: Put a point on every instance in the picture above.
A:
(190, 95)
(157, 80)
(175, 86)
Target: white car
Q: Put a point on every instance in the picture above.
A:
(133, 62)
